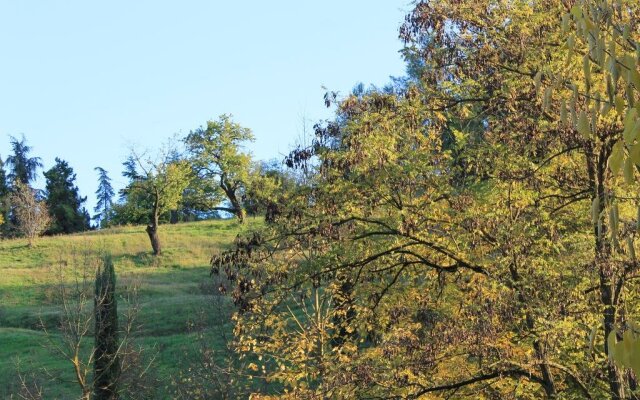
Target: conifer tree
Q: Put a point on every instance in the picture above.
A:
(64, 201)
(4, 194)
(23, 167)
(104, 195)
(106, 361)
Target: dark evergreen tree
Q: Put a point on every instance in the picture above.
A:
(64, 201)
(4, 195)
(104, 196)
(23, 167)
(106, 365)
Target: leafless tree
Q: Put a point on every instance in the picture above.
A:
(31, 214)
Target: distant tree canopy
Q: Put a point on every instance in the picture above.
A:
(64, 201)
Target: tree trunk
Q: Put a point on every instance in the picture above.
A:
(152, 231)
(230, 191)
(538, 345)
(597, 168)
(238, 210)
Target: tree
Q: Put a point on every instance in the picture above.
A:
(4, 194)
(464, 235)
(31, 214)
(63, 200)
(158, 187)
(215, 152)
(106, 364)
(23, 167)
(132, 205)
(267, 189)
(89, 337)
(104, 196)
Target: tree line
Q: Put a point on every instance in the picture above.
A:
(204, 174)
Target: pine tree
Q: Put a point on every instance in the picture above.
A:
(106, 364)
(23, 167)
(4, 194)
(64, 201)
(104, 195)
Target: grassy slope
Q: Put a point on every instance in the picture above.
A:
(174, 289)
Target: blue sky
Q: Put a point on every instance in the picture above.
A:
(85, 81)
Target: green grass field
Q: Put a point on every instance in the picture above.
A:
(174, 290)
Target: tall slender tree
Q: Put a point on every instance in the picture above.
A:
(104, 195)
(23, 168)
(106, 365)
(4, 194)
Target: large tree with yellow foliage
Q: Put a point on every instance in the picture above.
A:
(471, 233)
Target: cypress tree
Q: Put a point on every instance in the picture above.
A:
(106, 365)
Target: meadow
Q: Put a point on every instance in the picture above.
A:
(174, 298)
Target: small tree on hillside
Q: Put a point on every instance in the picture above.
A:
(217, 157)
(158, 185)
(31, 214)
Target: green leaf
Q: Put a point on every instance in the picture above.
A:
(616, 158)
(563, 112)
(595, 209)
(629, 166)
(583, 125)
(576, 11)
(629, 126)
(632, 251)
(611, 344)
(536, 81)
(586, 68)
(620, 105)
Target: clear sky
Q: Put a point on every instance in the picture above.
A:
(86, 80)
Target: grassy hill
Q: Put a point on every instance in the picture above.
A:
(174, 296)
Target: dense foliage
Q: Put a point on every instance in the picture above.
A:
(466, 233)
